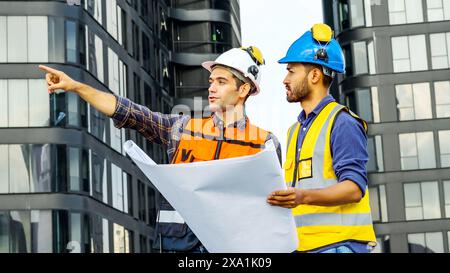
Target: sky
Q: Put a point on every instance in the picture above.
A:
(273, 26)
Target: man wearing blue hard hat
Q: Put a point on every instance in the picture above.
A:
(326, 153)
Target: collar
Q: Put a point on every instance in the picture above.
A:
(302, 117)
(240, 124)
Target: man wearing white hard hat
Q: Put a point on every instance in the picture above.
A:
(228, 133)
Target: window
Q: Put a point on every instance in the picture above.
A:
(97, 123)
(78, 170)
(442, 93)
(75, 239)
(122, 31)
(122, 239)
(417, 151)
(41, 231)
(94, 53)
(372, 59)
(405, 11)
(375, 149)
(19, 115)
(4, 169)
(447, 198)
(142, 202)
(413, 101)
(24, 39)
(119, 189)
(25, 168)
(17, 39)
(37, 39)
(364, 58)
(440, 48)
(409, 53)
(136, 41)
(74, 169)
(438, 10)
(116, 137)
(94, 7)
(343, 11)
(26, 232)
(357, 13)
(431, 242)
(3, 39)
(365, 103)
(146, 53)
(348, 60)
(98, 177)
(105, 226)
(113, 19)
(422, 201)
(378, 203)
(25, 103)
(71, 41)
(444, 145)
(368, 12)
(360, 58)
(152, 209)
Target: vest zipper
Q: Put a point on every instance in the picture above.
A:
(219, 143)
(297, 156)
(219, 147)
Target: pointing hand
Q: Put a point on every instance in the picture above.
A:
(58, 80)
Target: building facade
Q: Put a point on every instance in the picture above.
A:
(65, 182)
(398, 79)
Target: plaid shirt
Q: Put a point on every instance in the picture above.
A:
(165, 129)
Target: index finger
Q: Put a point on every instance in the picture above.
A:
(283, 192)
(49, 69)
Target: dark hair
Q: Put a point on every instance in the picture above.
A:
(326, 80)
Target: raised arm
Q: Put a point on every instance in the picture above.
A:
(58, 80)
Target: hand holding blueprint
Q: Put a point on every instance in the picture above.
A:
(224, 201)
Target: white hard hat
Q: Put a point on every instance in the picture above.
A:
(245, 61)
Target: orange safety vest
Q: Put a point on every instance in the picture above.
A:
(201, 140)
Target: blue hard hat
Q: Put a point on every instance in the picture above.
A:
(307, 49)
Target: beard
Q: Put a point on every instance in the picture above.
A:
(299, 92)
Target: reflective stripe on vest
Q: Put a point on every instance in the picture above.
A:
(318, 226)
(170, 216)
(330, 219)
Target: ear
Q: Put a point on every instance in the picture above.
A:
(315, 76)
(244, 90)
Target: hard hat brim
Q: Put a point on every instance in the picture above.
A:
(210, 64)
(285, 60)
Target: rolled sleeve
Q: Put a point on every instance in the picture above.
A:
(122, 112)
(155, 127)
(349, 148)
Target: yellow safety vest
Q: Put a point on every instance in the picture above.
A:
(319, 226)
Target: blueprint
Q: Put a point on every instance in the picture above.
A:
(224, 201)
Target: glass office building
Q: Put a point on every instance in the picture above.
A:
(398, 79)
(65, 182)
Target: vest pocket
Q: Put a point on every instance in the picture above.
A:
(289, 167)
(288, 164)
(202, 150)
